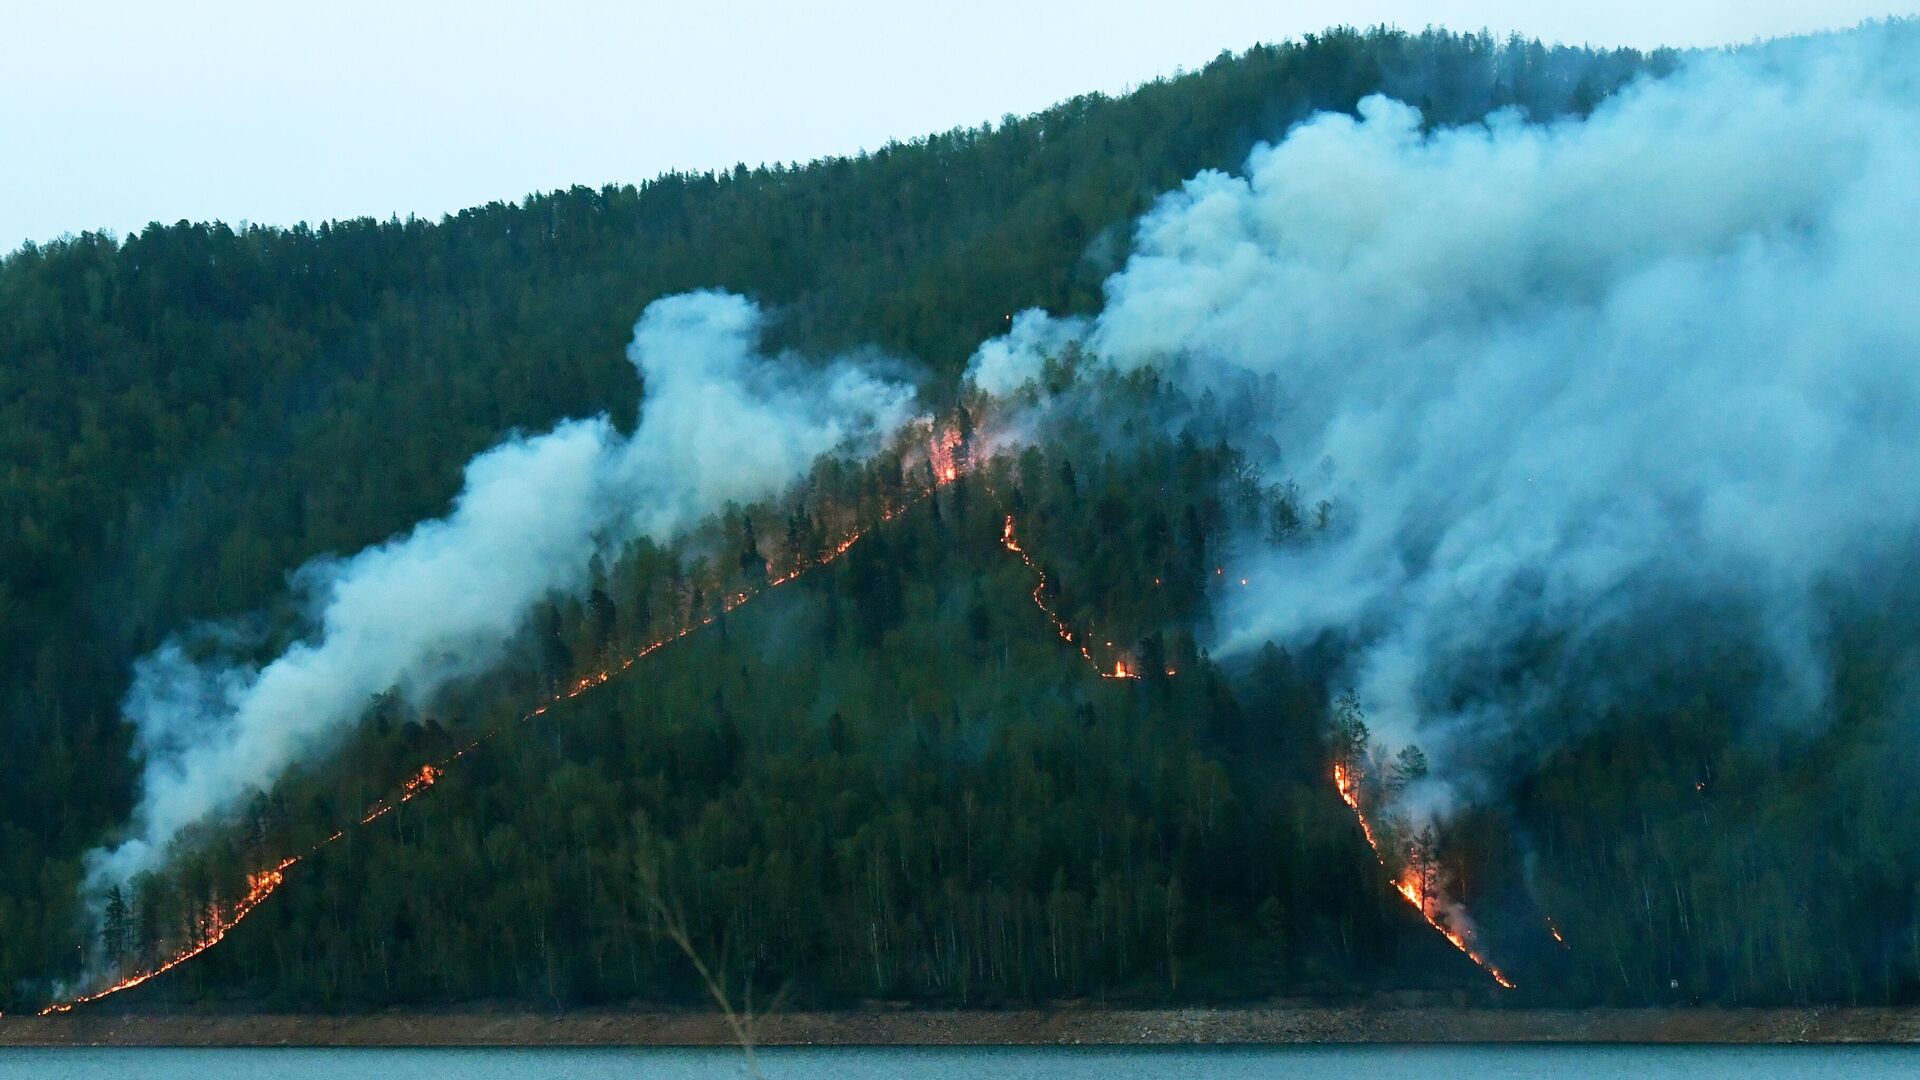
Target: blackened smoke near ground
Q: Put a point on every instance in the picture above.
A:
(720, 422)
(1586, 399)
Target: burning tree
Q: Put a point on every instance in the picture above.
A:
(1409, 853)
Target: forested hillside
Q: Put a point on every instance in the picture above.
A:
(891, 779)
(887, 780)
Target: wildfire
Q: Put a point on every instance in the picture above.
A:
(946, 450)
(219, 921)
(1412, 884)
(1349, 788)
(1120, 668)
(415, 784)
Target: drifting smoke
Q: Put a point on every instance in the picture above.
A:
(1568, 387)
(719, 423)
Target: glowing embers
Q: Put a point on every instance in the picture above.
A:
(415, 784)
(946, 455)
(1121, 669)
(1349, 787)
(219, 920)
(1413, 885)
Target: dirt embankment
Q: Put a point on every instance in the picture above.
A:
(1270, 1025)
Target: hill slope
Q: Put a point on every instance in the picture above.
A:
(191, 413)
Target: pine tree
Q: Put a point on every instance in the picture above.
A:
(116, 929)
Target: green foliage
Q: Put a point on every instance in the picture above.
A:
(889, 779)
(190, 413)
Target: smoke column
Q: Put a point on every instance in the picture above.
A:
(1563, 384)
(719, 422)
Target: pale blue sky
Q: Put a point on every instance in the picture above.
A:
(116, 113)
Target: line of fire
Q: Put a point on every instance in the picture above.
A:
(948, 458)
(1417, 881)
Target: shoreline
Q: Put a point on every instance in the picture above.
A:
(1257, 1025)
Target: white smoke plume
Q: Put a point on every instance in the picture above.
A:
(719, 422)
(1556, 378)
(1004, 364)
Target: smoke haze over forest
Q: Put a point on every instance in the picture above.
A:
(720, 423)
(1643, 376)
(1148, 482)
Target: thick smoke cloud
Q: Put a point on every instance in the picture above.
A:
(1561, 383)
(719, 422)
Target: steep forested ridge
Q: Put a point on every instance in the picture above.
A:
(888, 780)
(891, 781)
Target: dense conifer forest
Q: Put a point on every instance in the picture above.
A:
(889, 780)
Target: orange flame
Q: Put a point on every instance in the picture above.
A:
(1120, 668)
(1411, 884)
(943, 454)
(1349, 788)
(260, 885)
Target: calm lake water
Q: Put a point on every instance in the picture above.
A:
(1066, 1063)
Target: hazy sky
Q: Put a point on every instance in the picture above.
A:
(113, 114)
